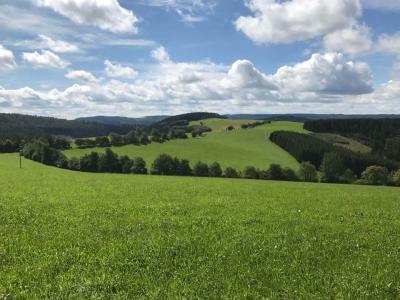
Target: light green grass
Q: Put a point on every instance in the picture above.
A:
(238, 149)
(99, 236)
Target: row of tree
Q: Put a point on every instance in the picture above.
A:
(305, 147)
(254, 124)
(332, 169)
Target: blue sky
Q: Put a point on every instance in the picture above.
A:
(73, 58)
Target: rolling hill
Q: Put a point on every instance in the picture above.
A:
(66, 234)
(238, 148)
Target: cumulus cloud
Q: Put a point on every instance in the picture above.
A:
(327, 73)
(117, 70)
(105, 14)
(325, 80)
(354, 41)
(7, 59)
(389, 44)
(44, 59)
(81, 75)
(57, 46)
(296, 20)
(161, 55)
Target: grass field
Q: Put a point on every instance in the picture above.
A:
(238, 149)
(76, 235)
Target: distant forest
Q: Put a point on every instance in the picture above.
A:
(382, 135)
(21, 125)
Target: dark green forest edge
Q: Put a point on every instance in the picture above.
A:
(320, 160)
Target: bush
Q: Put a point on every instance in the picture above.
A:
(215, 170)
(126, 164)
(308, 172)
(250, 172)
(231, 173)
(74, 164)
(375, 175)
(289, 174)
(348, 177)
(396, 178)
(183, 167)
(275, 172)
(201, 169)
(138, 166)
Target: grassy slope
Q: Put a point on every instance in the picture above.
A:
(67, 234)
(238, 149)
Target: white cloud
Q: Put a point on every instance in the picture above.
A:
(321, 83)
(296, 20)
(105, 14)
(389, 44)
(330, 73)
(354, 41)
(190, 11)
(7, 60)
(56, 45)
(117, 70)
(382, 4)
(81, 75)
(44, 59)
(161, 55)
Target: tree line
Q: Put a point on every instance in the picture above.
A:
(382, 135)
(166, 165)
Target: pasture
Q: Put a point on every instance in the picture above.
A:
(238, 148)
(65, 234)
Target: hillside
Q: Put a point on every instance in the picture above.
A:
(238, 148)
(145, 121)
(113, 236)
(17, 124)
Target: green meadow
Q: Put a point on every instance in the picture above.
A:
(66, 234)
(238, 148)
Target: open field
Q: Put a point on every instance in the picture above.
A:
(237, 149)
(66, 234)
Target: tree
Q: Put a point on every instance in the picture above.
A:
(348, 177)
(275, 172)
(116, 140)
(215, 170)
(250, 172)
(289, 174)
(155, 136)
(132, 138)
(102, 141)
(144, 140)
(139, 166)
(332, 167)
(396, 178)
(74, 164)
(308, 172)
(109, 162)
(194, 133)
(126, 164)
(201, 169)
(230, 128)
(183, 167)
(90, 162)
(164, 164)
(375, 175)
(231, 173)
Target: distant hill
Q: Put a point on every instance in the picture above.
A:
(306, 117)
(116, 120)
(17, 124)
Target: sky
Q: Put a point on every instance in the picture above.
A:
(76, 58)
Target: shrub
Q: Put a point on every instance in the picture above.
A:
(126, 164)
(215, 170)
(308, 172)
(396, 178)
(250, 172)
(183, 167)
(231, 173)
(289, 174)
(275, 172)
(74, 164)
(375, 175)
(348, 177)
(90, 162)
(201, 169)
(332, 167)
